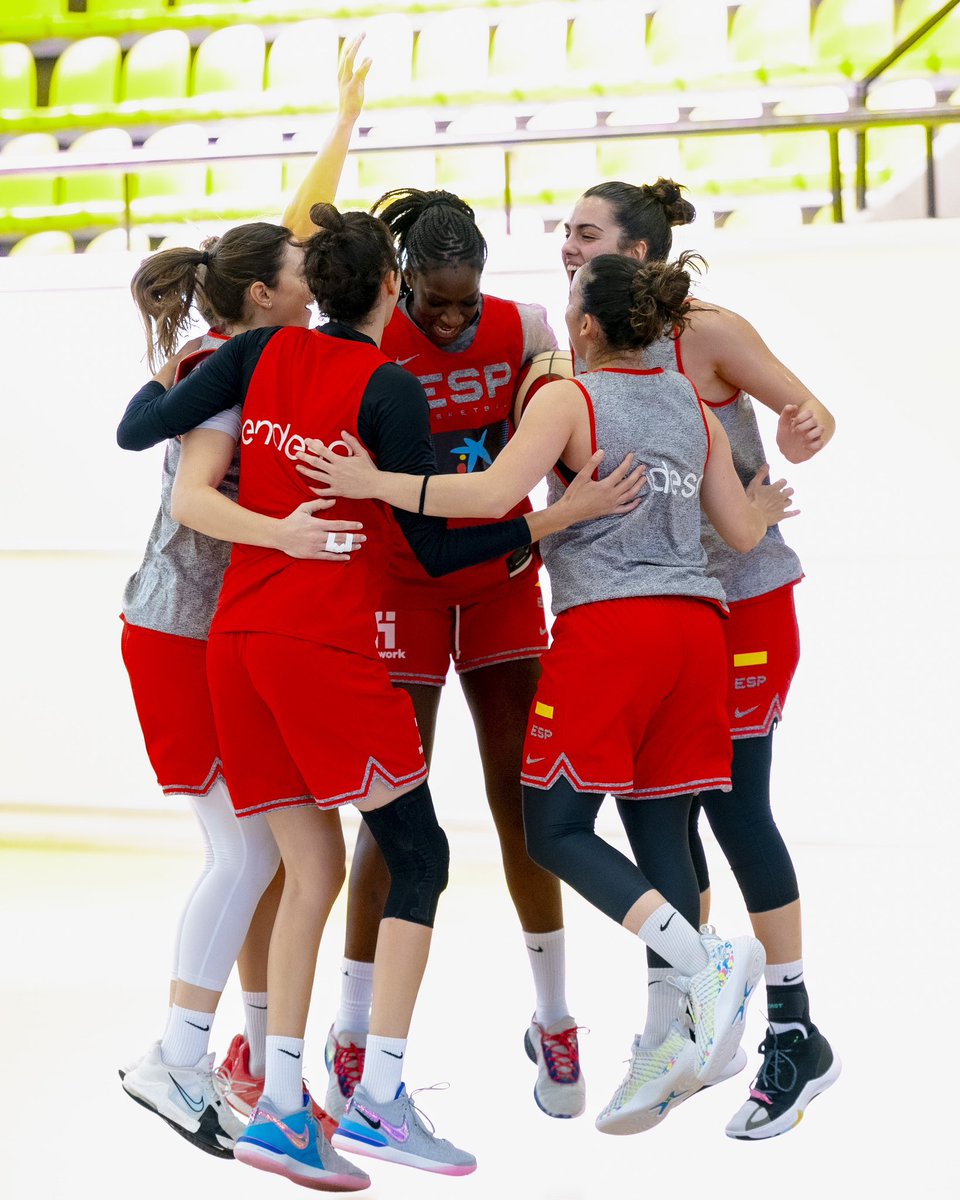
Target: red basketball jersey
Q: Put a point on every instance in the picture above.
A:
(306, 384)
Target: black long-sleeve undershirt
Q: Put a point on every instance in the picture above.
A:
(393, 421)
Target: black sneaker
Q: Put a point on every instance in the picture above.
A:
(795, 1069)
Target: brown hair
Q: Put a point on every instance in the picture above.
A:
(636, 302)
(214, 280)
(346, 261)
(646, 213)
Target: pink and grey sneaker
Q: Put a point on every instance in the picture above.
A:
(344, 1054)
(243, 1090)
(397, 1131)
(560, 1090)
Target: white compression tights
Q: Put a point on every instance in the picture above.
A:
(241, 860)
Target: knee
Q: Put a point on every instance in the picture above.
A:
(543, 841)
(417, 855)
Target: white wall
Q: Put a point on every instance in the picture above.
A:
(865, 315)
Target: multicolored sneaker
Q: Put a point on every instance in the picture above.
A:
(294, 1146)
(394, 1132)
(795, 1069)
(344, 1054)
(243, 1090)
(189, 1099)
(560, 1090)
(659, 1078)
(718, 997)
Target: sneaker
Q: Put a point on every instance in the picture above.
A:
(795, 1069)
(243, 1090)
(560, 1090)
(189, 1099)
(659, 1078)
(295, 1147)
(718, 997)
(344, 1054)
(394, 1132)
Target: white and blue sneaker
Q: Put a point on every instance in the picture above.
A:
(658, 1079)
(394, 1132)
(718, 997)
(293, 1145)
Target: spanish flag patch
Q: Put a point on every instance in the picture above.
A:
(545, 710)
(755, 659)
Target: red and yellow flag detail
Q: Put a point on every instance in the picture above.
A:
(543, 710)
(756, 658)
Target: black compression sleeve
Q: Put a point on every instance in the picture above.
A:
(394, 421)
(220, 382)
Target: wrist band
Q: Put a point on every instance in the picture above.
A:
(423, 494)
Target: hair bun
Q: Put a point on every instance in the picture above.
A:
(327, 217)
(668, 194)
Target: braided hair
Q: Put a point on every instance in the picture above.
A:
(430, 230)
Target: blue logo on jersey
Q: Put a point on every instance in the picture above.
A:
(473, 451)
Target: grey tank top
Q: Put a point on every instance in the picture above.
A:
(176, 587)
(771, 564)
(654, 550)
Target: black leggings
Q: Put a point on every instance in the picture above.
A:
(743, 824)
(561, 838)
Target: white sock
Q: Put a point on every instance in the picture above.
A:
(187, 1037)
(283, 1085)
(255, 1030)
(548, 963)
(783, 974)
(356, 992)
(383, 1067)
(668, 934)
(663, 1005)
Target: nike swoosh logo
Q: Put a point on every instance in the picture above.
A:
(792, 978)
(196, 1106)
(288, 1053)
(300, 1140)
(536, 949)
(262, 1007)
(531, 761)
(202, 1028)
(744, 712)
(542, 632)
(392, 1055)
(402, 362)
(398, 1133)
(669, 919)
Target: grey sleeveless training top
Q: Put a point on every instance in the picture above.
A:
(176, 587)
(654, 550)
(772, 563)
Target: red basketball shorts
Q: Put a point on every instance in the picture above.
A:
(168, 675)
(763, 649)
(300, 722)
(422, 627)
(632, 700)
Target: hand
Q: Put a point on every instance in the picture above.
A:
(303, 535)
(799, 434)
(168, 372)
(618, 492)
(353, 476)
(772, 500)
(350, 83)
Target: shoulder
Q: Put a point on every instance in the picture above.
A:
(710, 321)
(390, 379)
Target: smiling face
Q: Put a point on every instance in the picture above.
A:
(291, 297)
(591, 230)
(444, 300)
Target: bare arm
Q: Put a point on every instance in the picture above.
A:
(740, 517)
(739, 356)
(323, 178)
(205, 457)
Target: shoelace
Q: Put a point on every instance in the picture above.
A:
(778, 1073)
(348, 1066)
(418, 1114)
(562, 1052)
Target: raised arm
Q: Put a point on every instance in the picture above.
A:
(730, 346)
(323, 178)
(740, 517)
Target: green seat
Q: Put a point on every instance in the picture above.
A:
(901, 148)
(230, 60)
(687, 40)
(766, 216)
(171, 192)
(452, 52)
(95, 197)
(245, 190)
(126, 8)
(27, 201)
(379, 173)
(87, 74)
(551, 175)
(18, 76)
(476, 172)
(801, 159)
(119, 241)
(607, 43)
(302, 64)
(51, 241)
(638, 160)
(389, 42)
(939, 50)
(530, 47)
(157, 67)
(718, 164)
(771, 36)
(295, 170)
(850, 36)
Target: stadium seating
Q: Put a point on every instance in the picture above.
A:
(119, 241)
(87, 74)
(18, 76)
(165, 193)
(230, 64)
(530, 47)
(939, 50)
(91, 198)
(850, 36)
(27, 201)
(688, 40)
(157, 68)
(51, 241)
(608, 44)
(452, 52)
(302, 65)
(771, 37)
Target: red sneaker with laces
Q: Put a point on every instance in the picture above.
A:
(560, 1090)
(344, 1055)
(243, 1090)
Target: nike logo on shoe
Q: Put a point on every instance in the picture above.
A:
(668, 920)
(288, 1053)
(300, 1140)
(744, 712)
(202, 1028)
(196, 1106)
(398, 1133)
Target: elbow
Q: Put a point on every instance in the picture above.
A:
(126, 440)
